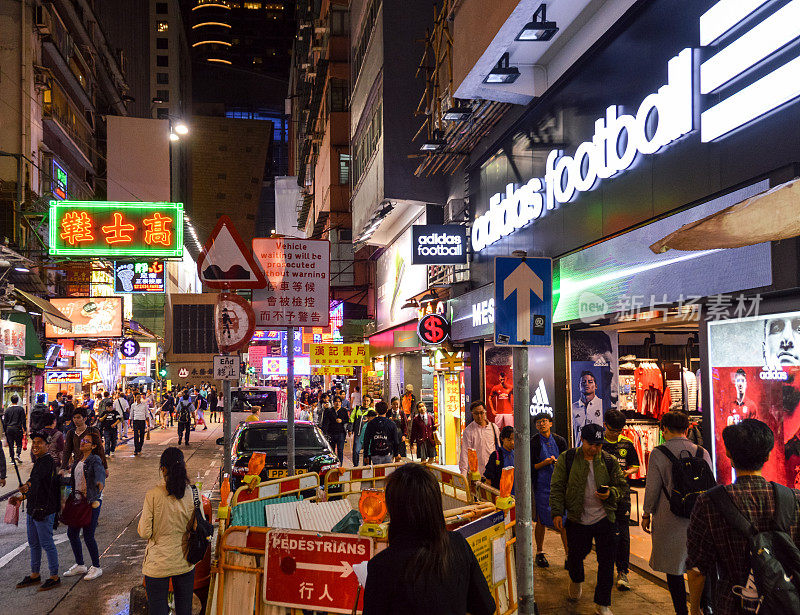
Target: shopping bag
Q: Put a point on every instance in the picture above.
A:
(25, 442)
(12, 513)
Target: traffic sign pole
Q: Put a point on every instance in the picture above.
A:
(226, 425)
(522, 473)
(290, 400)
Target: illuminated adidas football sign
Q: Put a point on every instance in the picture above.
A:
(666, 115)
(540, 403)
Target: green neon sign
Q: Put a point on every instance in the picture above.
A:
(116, 229)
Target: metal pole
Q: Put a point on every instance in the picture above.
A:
(226, 424)
(290, 400)
(522, 487)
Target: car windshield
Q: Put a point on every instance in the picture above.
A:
(272, 438)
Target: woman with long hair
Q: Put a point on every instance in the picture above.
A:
(167, 511)
(425, 569)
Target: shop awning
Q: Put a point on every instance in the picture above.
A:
(49, 312)
(770, 216)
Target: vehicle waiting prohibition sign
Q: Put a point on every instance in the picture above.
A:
(314, 571)
(523, 301)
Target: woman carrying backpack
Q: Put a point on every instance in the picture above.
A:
(669, 530)
(185, 412)
(168, 509)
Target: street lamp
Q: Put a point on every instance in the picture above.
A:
(181, 128)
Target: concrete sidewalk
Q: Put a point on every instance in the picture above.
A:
(551, 584)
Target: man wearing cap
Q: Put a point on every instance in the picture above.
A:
(587, 484)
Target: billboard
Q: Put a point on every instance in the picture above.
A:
(439, 244)
(755, 373)
(116, 229)
(92, 317)
(140, 277)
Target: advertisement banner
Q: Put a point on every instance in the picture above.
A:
(339, 354)
(499, 386)
(397, 280)
(593, 375)
(91, 317)
(12, 338)
(755, 373)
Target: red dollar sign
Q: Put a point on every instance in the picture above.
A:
(435, 332)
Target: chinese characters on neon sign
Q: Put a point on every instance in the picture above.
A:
(87, 228)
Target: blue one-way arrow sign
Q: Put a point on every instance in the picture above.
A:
(523, 300)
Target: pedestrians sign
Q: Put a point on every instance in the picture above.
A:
(314, 571)
(523, 301)
(297, 292)
(226, 367)
(234, 322)
(225, 261)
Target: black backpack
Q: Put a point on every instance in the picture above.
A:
(774, 580)
(184, 413)
(198, 534)
(691, 476)
(381, 445)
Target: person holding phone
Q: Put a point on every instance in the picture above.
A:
(588, 484)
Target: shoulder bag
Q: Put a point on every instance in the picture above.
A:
(198, 533)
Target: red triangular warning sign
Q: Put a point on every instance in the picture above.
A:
(226, 262)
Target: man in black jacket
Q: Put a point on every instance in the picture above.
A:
(545, 449)
(14, 422)
(381, 438)
(334, 422)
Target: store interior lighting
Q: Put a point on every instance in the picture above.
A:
(503, 73)
(538, 29)
(22, 269)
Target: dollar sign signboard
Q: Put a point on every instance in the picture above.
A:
(433, 329)
(129, 348)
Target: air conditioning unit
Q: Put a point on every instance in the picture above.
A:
(41, 20)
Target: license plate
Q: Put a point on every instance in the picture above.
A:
(276, 473)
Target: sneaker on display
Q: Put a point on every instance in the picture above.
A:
(75, 570)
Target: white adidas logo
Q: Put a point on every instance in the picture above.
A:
(540, 402)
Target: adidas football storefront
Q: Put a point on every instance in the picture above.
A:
(626, 149)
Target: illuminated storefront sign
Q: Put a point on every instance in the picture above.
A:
(71, 376)
(58, 185)
(438, 244)
(665, 116)
(89, 228)
(277, 366)
(143, 277)
(339, 354)
(12, 338)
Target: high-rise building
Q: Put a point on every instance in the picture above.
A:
(61, 76)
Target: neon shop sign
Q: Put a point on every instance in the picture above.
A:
(664, 116)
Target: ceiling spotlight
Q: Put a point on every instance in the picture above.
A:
(434, 144)
(272, 231)
(173, 137)
(18, 307)
(457, 113)
(157, 101)
(181, 128)
(22, 269)
(503, 73)
(539, 29)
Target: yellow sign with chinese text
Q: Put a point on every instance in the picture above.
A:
(331, 370)
(339, 354)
